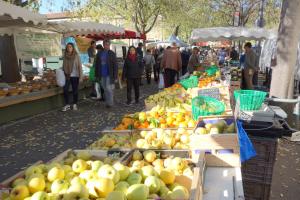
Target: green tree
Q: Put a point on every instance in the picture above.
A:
(32, 4)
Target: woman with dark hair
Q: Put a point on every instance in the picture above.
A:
(73, 71)
(132, 73)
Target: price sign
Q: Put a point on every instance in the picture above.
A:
(210, 92)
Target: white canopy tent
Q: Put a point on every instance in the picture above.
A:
(231, 33)
(11, 15)
(74, 28)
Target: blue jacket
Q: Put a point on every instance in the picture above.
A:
(112, 66)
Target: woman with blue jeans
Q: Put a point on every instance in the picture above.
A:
(106, 69)
(73, 71)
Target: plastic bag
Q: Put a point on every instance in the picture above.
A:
(92, 74)
(161, 83)
(247, 150)
(60, 77)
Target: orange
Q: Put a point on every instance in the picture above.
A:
(169, 120)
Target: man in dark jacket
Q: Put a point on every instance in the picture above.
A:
(140, 54)
(107, 70)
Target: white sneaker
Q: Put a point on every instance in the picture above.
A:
(66, 108)
(75, 107)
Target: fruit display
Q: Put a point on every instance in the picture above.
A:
(236, 74)
(215, 127)
(78, 177)
(157, 117)
(154, 176)
(155, 139)
(170, 99)
(75, 177)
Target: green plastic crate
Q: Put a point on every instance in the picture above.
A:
(217, 107)
(190, 82)
(250, 99)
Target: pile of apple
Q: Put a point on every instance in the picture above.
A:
(164, 139)
(85, 179)
(152, 177)
(220, 126)
(111, 140)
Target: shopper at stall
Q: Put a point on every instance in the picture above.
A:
(185, 59)
(73, 71)
(131, 72)
(140, 55)
(106, 69)
(194, 60)
(92, 52)
(222, 55)
(171, 63)
(149, 63)
(99, 91)
(156, 67)
(234, 55)
(249, 66)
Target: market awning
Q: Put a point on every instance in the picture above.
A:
(231, 33)
(11, 15)
(85, 28)
(126, 35)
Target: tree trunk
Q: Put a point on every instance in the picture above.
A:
(282, 85)
(176, 30)
(9, 60)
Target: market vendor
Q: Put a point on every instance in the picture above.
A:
(194, 61)
(92, 52)
(249, 66)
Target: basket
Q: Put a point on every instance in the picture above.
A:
(190, 82)
(250, 99)
(209, 106)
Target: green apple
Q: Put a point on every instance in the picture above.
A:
(107, 171)
(68, 161)
(173, 185)
(53, 164)
(134, 178)
(137, 192)
(69, 176)
(153, 183)
(163, 192)
(116, 195)
(148, 171)
(179, 192)
(123, 170)
(77, 180)
(153, 196)
(79, 166)
(56, 173)
(19, 192)
(36, 184)
(53, 196)
(41, 195)
(67, 168)
(33, 170)
(96, 165)
(78, 190)
(84, 155)
(59, 186)
(137, 155)
(88, 175)
(101, 187)
(19, 181)
(122, 186)
(42, 167)
(149, 156)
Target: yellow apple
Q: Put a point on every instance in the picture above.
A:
(88, 175)
(158, 162)
(149, 155)
(138, 164)
(178, 163)
(116, 195)
(122, 186)
(96, 165)
(33, 170)
(36, 184)
(77, 190)
(148, 171)
(153, 183)
(67, 168)
(19, 192)
(107, 171)
(167, 176)
(163, 191)
(79, 166)
(77, 180)
(140, 143)
(19, 181)
(179, 192)
(103, 186)
(56, 173)
(123, 170)
(59, 186)
(137, 192)
(41, 195)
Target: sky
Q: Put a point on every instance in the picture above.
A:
(54, 6)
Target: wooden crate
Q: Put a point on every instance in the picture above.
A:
(220, 149)
(194, 184)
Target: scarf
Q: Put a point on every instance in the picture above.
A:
(68, 63)
(132, 57)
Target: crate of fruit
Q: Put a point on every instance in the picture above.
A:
(163, 174)
(71, 175)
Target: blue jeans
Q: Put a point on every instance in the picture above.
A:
(108, 90)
